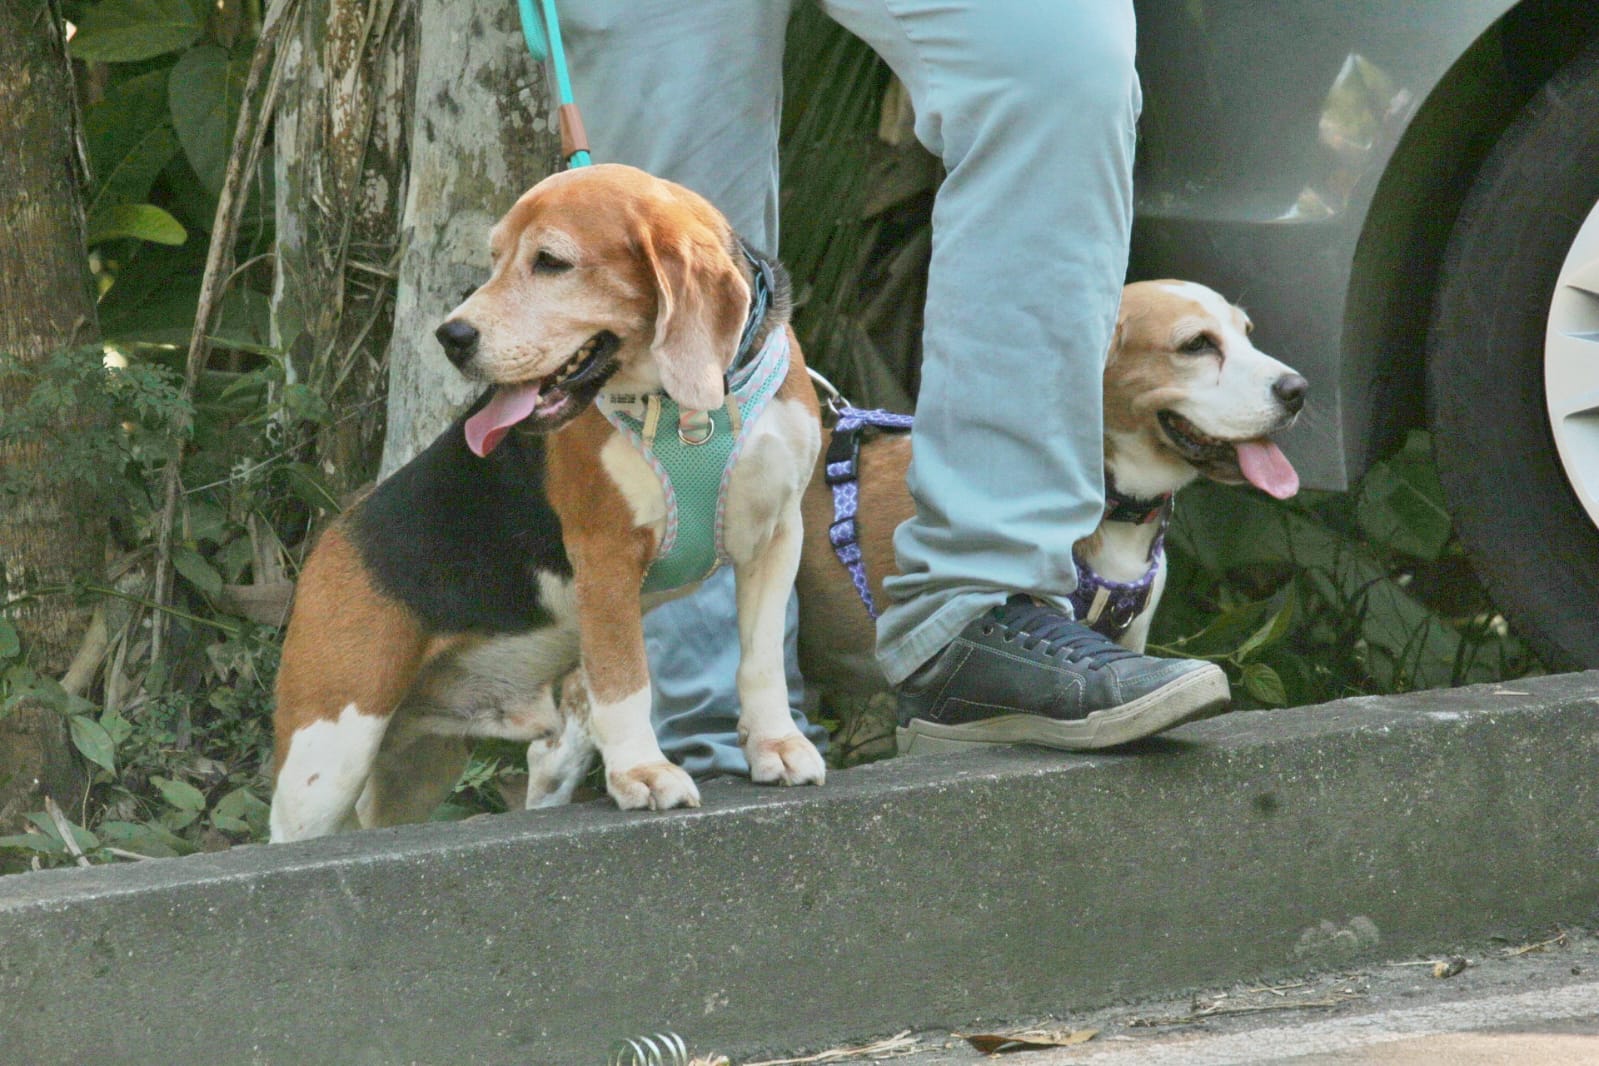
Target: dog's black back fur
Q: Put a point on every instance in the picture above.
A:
(460, 540)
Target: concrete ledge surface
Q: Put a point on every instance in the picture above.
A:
(937, 891)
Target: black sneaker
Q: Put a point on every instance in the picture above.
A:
(1028, 674)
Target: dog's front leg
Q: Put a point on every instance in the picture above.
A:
(777, 751)
(616, 675)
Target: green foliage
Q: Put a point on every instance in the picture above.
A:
(1332, 594)
(174, 779)
(174, 748)
(158, 138)
(204, 91)
(855, 228)
(126, 31)
(100, 426)
(140, 222)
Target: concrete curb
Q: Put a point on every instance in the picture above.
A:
(919, 891)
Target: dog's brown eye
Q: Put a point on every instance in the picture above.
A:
(546, 263)
(1199, 344)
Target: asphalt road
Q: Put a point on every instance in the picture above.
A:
(1532, 1004)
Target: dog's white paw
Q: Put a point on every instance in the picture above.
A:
(789, 759)
(658, 786)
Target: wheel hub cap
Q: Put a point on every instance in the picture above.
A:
(1571, 365)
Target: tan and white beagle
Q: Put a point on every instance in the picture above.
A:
(445, 603)
(1186, 394)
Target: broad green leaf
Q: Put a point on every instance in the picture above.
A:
(145, 222)
(26, 683)
(130, 139)
(1270, 633)
(93, 741)
(1262, 682)
(245, 808)
(34, 842)
(142, 838)
(204, 92)
(118, 727)
(229, 825)
(10, 645)
(126, 31)
(452, 812)
(85, 840)
(1222, 636)
(180, 794)
(201, 574)
(159, 286)
(204, 521)
(1401, 503)
(1226, 529)
(235, 558)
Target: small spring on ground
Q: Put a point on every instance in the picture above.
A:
(657, 1049)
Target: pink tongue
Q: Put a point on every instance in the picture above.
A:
(509, 405)
(1267, 468)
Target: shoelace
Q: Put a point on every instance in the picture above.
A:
(1057, 633)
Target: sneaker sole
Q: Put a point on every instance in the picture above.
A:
(1196, 695)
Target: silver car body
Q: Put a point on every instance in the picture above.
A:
(1306, 158)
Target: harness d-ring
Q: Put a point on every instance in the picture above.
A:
(694, 427)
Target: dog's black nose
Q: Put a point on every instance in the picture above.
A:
(1290, 391)
(459, 340)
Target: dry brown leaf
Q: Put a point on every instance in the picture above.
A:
(1027, 1040)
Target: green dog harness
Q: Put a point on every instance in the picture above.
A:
(693, 454)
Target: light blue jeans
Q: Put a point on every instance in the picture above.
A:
(1032, 106)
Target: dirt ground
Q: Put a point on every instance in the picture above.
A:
(1530, 1002)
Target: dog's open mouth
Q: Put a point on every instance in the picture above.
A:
(545, 403)
(1258, 461)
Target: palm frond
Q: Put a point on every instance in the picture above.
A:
(856, 214)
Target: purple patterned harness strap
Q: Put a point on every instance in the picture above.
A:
(1108, 606)
(843, 474)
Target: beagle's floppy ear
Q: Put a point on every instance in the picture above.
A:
(701, 301)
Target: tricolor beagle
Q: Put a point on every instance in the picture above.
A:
(623, 320)
(1186, 394)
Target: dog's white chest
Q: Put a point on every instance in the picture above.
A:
(637, 481)
(1123, 553)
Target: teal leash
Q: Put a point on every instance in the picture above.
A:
(543, 39)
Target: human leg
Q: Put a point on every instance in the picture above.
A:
(690, 92)
(651, 99)
(1032, 108)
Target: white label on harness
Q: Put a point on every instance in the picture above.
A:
(630, 404)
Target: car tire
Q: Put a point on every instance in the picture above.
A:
(1495, 334)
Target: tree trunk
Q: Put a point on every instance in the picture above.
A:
(482, 132)
(47, 537)
(407, 128)
(341, 179)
